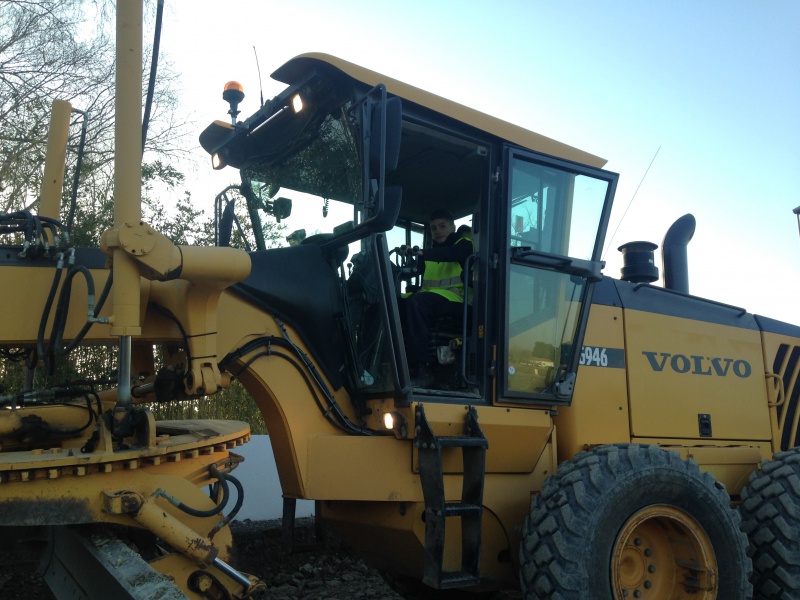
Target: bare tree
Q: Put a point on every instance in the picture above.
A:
(40, 59)
(64, 49)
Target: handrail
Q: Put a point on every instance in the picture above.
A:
(467, 271)
(781, 391)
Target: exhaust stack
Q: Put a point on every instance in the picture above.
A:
(675, 260)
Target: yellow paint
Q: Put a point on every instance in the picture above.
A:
(599, 412)
(55, 161)
(689, 357)
(492, 125)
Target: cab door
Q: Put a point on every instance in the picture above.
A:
(555, 219)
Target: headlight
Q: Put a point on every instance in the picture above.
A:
(297, 103)
(388, 420)
(394, 421)
(217, 162)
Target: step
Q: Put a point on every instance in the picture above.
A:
(452, 579)
(462, 441)
(461, 509)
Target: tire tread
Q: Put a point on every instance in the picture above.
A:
(554, 554)
(770, 511)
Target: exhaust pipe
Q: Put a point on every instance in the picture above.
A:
(675, 260)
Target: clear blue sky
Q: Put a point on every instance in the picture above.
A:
(714, 84)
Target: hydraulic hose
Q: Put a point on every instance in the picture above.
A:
(56, 340)
(153, 69)
(160, 493)
(73, 204)
(93, 311)
(332, 412)
(239, 499)
(53, 347)
(41, 350)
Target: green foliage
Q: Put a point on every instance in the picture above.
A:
(159, 171)
(234, 403)
(273, 232)
(183, 225)
(85, 363)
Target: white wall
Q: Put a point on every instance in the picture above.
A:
(262, 490)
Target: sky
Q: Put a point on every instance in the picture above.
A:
(695, 104)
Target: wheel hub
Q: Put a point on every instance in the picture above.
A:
(663, 553)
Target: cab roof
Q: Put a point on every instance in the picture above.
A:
(295, 69)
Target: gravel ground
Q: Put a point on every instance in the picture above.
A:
(313, 570)
(320, 570)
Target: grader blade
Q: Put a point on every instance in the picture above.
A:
(94, 564)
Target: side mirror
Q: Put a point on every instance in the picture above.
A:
(386, 219)
(381, 222)
(385, 135)
(381, 122)
(281, 208)
(226, 224)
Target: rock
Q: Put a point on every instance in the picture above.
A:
(307, 570)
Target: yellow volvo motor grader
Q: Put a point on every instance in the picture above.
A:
(585, 437)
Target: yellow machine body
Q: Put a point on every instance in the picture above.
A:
(557, 371)
(655, 368)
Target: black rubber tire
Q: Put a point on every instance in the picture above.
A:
(413, 589)
(572, 531)
(770, 511)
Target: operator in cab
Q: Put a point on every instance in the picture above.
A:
(442, 292)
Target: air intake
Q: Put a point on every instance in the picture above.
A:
(638, 262)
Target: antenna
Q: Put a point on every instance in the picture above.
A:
(631, 202)
(258, 68)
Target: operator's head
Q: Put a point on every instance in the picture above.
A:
(442, 225)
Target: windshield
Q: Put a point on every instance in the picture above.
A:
(320, 171)
(321, 160)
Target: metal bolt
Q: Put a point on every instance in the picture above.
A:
(648, 584)
(637, 541)
(203, 583)
(130, 504)
(624, 593)
(648, 552)
(651, 568)
(637, 594)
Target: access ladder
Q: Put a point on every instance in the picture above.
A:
(470, 508)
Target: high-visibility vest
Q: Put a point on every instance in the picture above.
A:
(446, 278)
